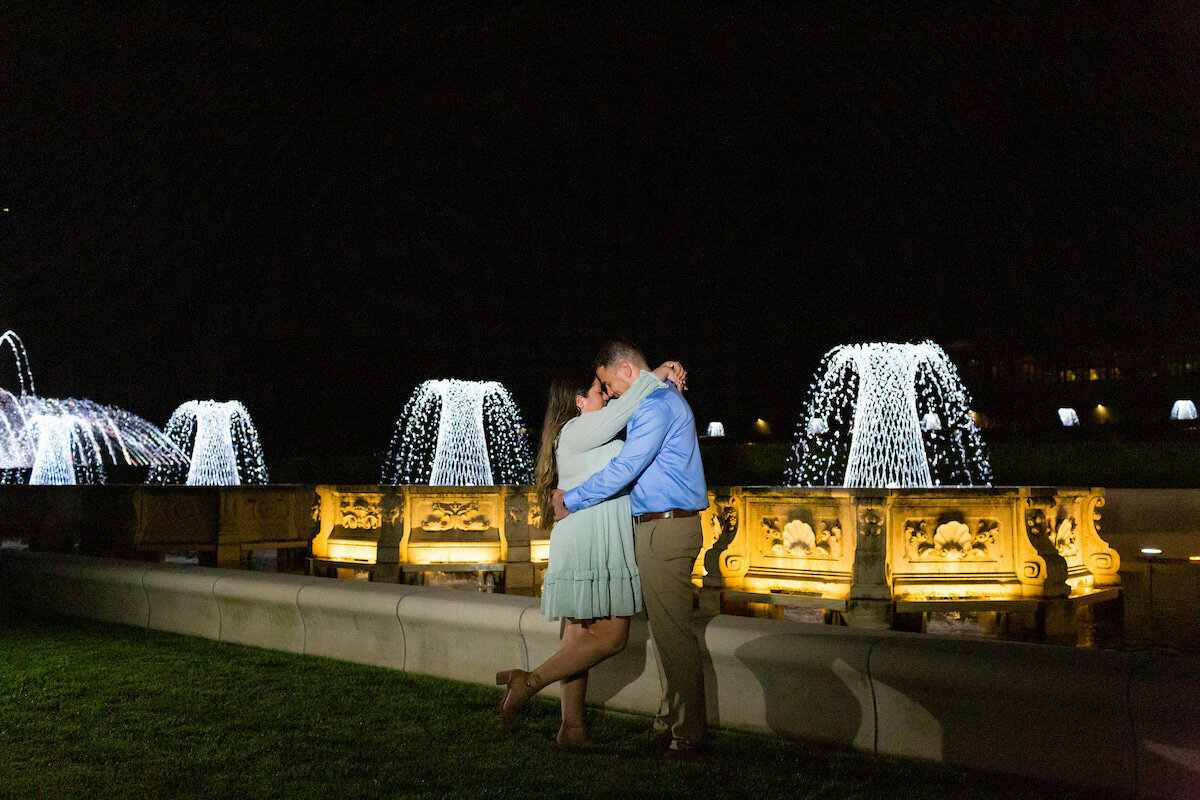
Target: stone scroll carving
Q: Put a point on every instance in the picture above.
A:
(1101, 560)
(1041, 531)
(270, 506)
(525, 513)
(359, 512)
(719, 560)
(456, 516)
(462, 519)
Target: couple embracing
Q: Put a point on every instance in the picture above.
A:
(613, 549)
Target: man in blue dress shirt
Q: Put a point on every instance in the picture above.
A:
(661, 458)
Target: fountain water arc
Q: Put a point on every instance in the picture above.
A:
(24, 376)
(68, 441)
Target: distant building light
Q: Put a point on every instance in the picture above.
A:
(1068, 417)
(1151, 551)
(817, 426)
(716, 429)
(1183, 409)
(931, 422)
(762, 427)
(1101, 413)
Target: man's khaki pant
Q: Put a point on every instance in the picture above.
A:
(666, 551)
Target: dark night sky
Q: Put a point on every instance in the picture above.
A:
(313, 212)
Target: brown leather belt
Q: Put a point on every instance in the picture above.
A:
(674, 513)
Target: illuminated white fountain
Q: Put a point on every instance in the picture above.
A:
(1183, 409)
(60, 444)
(459, 433)
(888, 415)
(69, 441)
(222, 441)
(13, 445)
(21, 360)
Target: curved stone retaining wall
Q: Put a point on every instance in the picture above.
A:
(1119, 722)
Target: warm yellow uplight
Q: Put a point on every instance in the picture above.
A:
(351, 551)
(762, 427)
(815, 587)
(960, 591)
(1193, 558)
(454, 553)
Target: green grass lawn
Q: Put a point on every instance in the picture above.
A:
(91, 710)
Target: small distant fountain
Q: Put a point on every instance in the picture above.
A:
(1183, 410)
(223, 444)
(68, 441)
(888, 415)
(459, 433)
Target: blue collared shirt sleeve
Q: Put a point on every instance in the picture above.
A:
(643, 439)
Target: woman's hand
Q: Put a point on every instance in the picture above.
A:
(674, 372)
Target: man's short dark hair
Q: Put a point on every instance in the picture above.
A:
(616, 352)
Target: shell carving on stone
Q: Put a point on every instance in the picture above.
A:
(796, 536)
(798, 539)
(950, 541)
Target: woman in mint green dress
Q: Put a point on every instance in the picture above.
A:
(592, 578)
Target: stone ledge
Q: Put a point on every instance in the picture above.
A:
(1115, 722)
(785, 599)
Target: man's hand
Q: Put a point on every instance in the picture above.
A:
(560, 508)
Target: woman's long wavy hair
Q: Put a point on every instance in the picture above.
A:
(560, 409)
